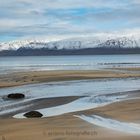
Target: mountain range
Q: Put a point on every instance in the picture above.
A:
(73, 46)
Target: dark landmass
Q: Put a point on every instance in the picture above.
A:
(88, 51)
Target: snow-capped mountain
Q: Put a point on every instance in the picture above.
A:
(74, 43)
(123, 42)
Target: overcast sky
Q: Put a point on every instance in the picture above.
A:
(52, 19)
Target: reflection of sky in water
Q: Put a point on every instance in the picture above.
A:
(112, 124)
(77, 105)
(74, 88)
(90, 88)
(10, 64)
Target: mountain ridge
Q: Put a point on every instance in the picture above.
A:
(72, 46)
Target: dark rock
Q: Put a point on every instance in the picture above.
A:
(33, 114)
(16, 96)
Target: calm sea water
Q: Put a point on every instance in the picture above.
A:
(12, 64)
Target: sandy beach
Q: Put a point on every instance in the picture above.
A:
(23, 78)
(67, 126)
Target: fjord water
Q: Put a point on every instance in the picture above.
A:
(83, 62)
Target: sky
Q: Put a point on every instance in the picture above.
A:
(57, 19)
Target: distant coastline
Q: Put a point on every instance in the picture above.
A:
(87, 51)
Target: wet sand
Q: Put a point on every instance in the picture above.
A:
(132, 69)
(125, 111)
(68, 127)
(23, 78)
(36, 104)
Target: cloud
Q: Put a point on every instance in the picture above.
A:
(32, 18)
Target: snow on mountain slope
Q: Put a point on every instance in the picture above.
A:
(123, 42)
(75, 43)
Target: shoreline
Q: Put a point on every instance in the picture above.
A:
(32, 77)
(36, 104)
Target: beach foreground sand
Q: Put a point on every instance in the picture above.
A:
(67, 126)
